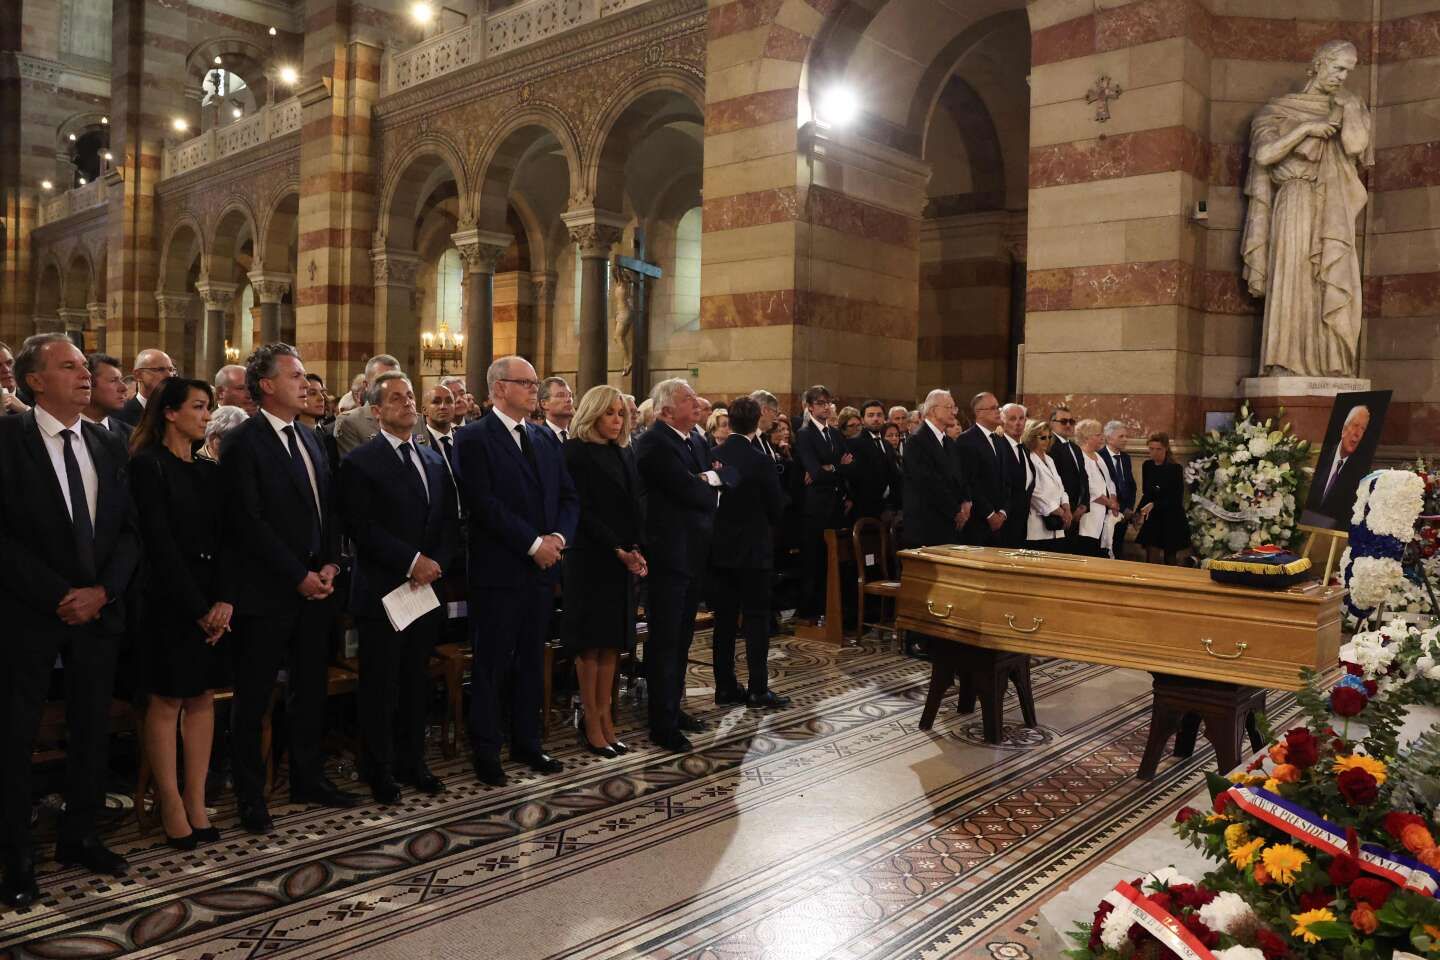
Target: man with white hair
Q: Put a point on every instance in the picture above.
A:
(230, 389)
(1122, 474)
(361, 425)
(937, 493)
(1338, 474)
(1020, 473)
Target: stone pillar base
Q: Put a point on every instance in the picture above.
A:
(1306, 400)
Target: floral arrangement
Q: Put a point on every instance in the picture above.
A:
(1399, 659)
(1388, 504)
(1242, 483)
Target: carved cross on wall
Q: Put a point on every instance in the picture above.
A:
(1102, 93)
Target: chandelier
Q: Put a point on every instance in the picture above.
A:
(232, 354)
(443, 347)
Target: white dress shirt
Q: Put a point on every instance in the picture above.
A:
(50, 429)
(1047, 497)
(561, 433)
(103, 423)
(510, 426)
(279, 426)
(1098, 521)
(939, 434)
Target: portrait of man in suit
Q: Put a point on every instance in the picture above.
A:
(1350, 441)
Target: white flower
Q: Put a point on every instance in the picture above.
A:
(1395, 498)
(1259, 446)
(1372, 580)
(1115, 928)
(1227, 913)
(1241, 455)
(1237, 540)
(1166, 877)
(1239, 953)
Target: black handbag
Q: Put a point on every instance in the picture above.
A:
(1053, 522)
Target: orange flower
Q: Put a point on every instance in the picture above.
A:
(1262, 876)
(1277, 753)
(1363, 919)
(1430, 856)
(1416, 838)
(1286, 773)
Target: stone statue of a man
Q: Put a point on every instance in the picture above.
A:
(1305, 196)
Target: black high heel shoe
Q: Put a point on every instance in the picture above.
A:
(184, 844)
(619, 747)
(605, 752)
(210, 834)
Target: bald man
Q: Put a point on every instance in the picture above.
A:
(152, 367)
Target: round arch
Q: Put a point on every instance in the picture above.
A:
(276, 246)
(239, 55)
(183, 245)
(49, 288)
(423, 165)
(234, 225)
(503, 152)
(79, 280)
(661, 97)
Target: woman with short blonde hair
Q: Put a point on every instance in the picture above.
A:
(1049, 507)
(1097, 525)
(717, 427)
(592, 407)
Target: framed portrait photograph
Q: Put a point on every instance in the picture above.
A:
(1353, 434)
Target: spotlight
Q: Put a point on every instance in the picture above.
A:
(109, 155)
(46, 185)
(839, 107)
(422, 13)
(218, 61)
(105, 121)
(82, 181)
(237, 113)
(179, 125)
(272, 31)
(72, 138)
(289, 76)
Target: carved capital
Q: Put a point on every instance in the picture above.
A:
(97, 314)
(542, 288)
(593, 231)
(393, 267)
(173, 306)
(270, 287)
(481, 249)
(72, 318)
(217, 295)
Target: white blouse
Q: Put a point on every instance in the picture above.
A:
(1098, 521)
(1048, 496)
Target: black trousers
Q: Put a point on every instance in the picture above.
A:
(298, 640)
(89, 659)
(672, 600)
(736, 592)
(394, 683)
(508, 629)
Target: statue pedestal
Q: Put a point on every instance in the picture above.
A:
(1307, 400)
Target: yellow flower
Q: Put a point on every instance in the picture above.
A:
(1283, 861)
(1303, 921)
(1216, 818)
(1235, 835)
(1376, 768)
(1272, 785)
(1243, 856)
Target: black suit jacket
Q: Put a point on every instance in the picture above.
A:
(270, 515)
(120, 428)
(1072, 474)
(989, 482)
(1340, 502)
(826, 492)
(749, 511)
(935, 489)
(870, 474)
(1020, 484)
(130, 413)
(679, 504)
(1122, 473)
(390, 522)
(37, 539)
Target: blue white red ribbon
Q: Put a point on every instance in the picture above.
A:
(1315, 831)
(1134, 906)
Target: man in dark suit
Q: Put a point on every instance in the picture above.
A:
(107, 395)
(1019, 475)
(1070, 464)
(937, 494)
(680, 498)
(152, 368)
(742, 557)
(874, 471)
(823, 458)
(280, 494)
(769, 410)
(1339, 472)
(10, 403)
(70, 540)
(1122, 474)
(980, 455)
(399, 506)
(522, 509)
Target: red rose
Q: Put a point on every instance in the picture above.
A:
(1343, 869)
(1190, 896)
(1221, 802)
(1301, 748)
(1347, 701)
(1100, 915)
(1204, 934)
(1352, 668)
(1271, 944)
(1357, 787)
(1184, 814)
(1372, 891)
(1163, 900)
(1316, 899)
(1396, 822)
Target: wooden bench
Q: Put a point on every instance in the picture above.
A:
(838, 550)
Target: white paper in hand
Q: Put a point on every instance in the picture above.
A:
(408, 603)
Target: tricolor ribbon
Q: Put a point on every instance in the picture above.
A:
(1315, 831)
(1134, 906)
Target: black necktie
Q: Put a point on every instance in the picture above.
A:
(526, 449)
(879, 443)
(1339, 465)
(695, 454)
(408, 456)
(79, 507)
(297, 466)
(564, 435)
(449, 452)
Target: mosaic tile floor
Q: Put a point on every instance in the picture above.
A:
(833, 829)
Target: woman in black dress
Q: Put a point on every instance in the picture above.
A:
(605, 558)
(180, 506)
(1166, 531)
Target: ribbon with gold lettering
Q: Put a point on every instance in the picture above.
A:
(1134, 906)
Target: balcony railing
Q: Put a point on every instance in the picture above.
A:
(270, 121)
(499, 33)
(71, 202)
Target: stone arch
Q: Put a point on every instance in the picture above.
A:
(276, 246)
(79, 279)
(239, 55)
(49, 291)
(662, 97)
(233, 226)
(184, 243)
(504, 151)
(422, 166)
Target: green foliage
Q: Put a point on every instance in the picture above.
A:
(1416, 774)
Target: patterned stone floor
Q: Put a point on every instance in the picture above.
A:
(833, 829)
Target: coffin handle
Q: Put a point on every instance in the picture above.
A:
(1240, 648)
(1035, 625)
(943, 615)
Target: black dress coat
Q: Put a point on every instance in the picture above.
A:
(182, 523)
(1164, 485)
(599, 592)
(872, 473)
(935, 489)
(980, 458)
(749, 511)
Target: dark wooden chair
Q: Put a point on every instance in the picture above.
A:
(870, 542)
(839, 550)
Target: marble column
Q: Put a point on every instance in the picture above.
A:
(96, 312)
(542, 295)
(269, 289)
(173, 310)
(394, 275)
(481, 250)
(594, 232)
(211, 351)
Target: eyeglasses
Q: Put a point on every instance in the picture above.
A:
(1070, 422)
(527, 384)
(167, 370)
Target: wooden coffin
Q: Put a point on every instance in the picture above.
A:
(1172, 620)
